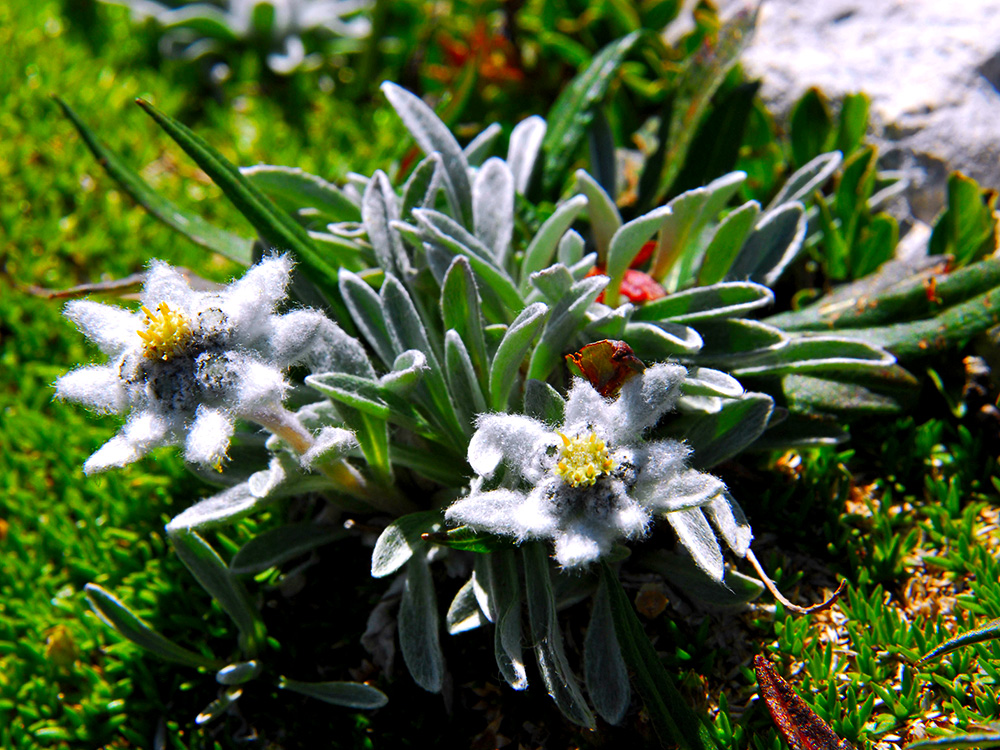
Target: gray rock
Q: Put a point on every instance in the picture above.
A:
(931, 68)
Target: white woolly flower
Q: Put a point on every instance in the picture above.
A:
(188, 363)
(595, 480)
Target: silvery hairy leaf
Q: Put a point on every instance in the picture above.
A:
(433, 135)
(604, 668)
(418, 627)
(522, 151)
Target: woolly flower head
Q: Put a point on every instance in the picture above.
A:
(188, 363)
(595, 480)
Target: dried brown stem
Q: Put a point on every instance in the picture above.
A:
(787, 604)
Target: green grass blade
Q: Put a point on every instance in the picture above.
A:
(675, 723)
(273, 224)
(111, 609)
(574, 109)
(983, 633)
(191, 225)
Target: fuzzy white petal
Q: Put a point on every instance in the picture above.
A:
(492, 511)
(630, 518)
(581, 544)
(209, 437)
(112, 328)
(584, 406)
(646, 398)
(657, 463)
(98, 387)
(115, 453)
(687, 489)
(696, 535)
(259, 386)
(142, 432)
(512, 438)
(301, 336)
(166, 284)
(537, 517)
(250, 300)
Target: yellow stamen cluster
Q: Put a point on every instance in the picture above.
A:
(165, 333)
(583, 460)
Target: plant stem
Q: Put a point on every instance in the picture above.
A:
(339, 471)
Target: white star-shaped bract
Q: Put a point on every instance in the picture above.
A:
(521, 492)
(227, 361)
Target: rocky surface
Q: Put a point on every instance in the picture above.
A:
(931, 68)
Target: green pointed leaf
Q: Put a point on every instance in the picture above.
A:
(379, 209)
(273, 224)
(496, 279)
(464, 613)
(422, 186)
(853, 122)
(876, 244)
(726, 243)
(493, 208)
(546, 637)
(987, 632)
(717, 437)
(366, 309)
(543, 402)
(807, 179)
(505, 596)
(481, 147)
(626, 244)
(418, 627)
(279, 545)
(604, 216)
(723, 300)
(658, 341)
(346, 694)
(604, 668)
(774, 243)
(573, 110)
(967, 229)
(467, 540)
(215, 577)
(811, 126)
(191, 225)
(542, 247)
(110, 609)
(813, 395)
(462, 381)
(401, 539)
(565, 321)
(293, 189)
(433, 135)
(513, 347)
(239, 673)
(461, 312)
(675, 723)
(728, 337)
(372, 399)
(704, 381)
(522, 151)
(811, 354)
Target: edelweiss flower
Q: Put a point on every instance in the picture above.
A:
(595, 480)
(190, 363)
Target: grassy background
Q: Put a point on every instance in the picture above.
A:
(907, 514)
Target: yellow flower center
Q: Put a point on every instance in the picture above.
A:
(165, 332)
(583, 460)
